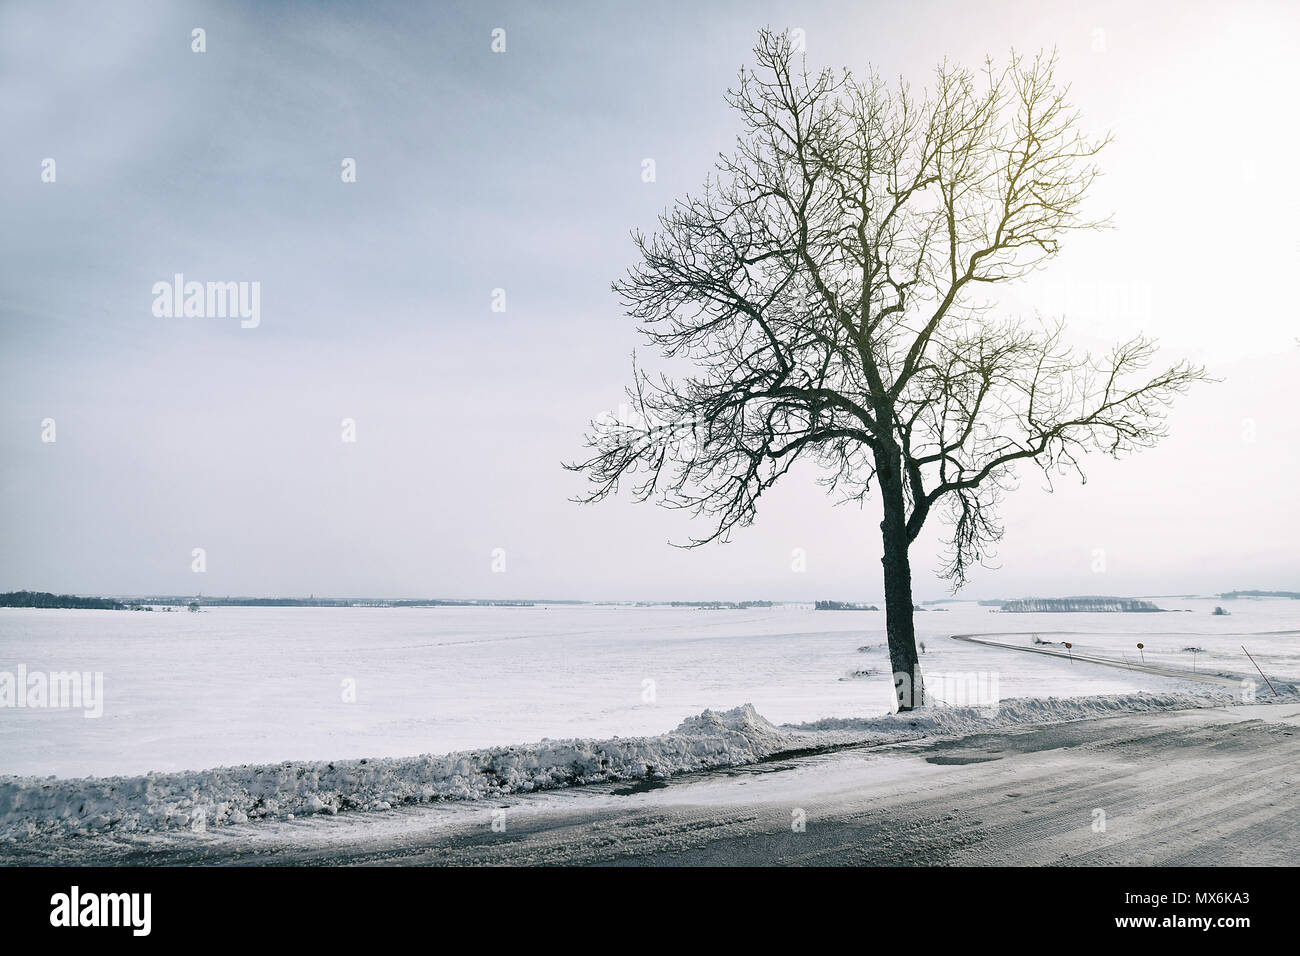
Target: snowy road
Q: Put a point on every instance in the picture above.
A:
(1209, 786)
(1082, 657)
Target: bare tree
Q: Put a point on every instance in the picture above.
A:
(829, 288)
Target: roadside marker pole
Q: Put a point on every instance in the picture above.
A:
(1261, 673)
(1140, 651)
(1068, 645)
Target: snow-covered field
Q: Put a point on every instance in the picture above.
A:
(311, 710)
(262, 685)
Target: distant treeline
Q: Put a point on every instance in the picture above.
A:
(265, 602)
(46, 599)
(843, 606)
(1232, 595)
(442, 603)
(1058, 605)
(707, 605)
(330, 602)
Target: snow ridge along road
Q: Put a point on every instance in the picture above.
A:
(1215, 786)
(37, 809)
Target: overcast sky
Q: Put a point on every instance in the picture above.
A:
(522, 171)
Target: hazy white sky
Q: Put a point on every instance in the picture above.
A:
(522, 171)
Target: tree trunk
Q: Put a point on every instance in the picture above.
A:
(899, 626)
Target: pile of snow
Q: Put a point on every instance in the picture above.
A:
(32, 807)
